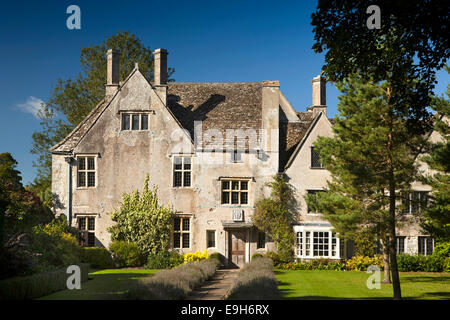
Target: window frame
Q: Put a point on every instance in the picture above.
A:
(182, 232)
(311, 164)
(182, 171)
(86, 171)
(230, 191)
(86, 230)
(261, 240)
(400, 240)
(410, 203)
(208, 232)
(130, 123)
(306, 246)
(425, 245)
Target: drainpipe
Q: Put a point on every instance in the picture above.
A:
(69, 190)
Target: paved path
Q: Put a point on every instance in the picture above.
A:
(216, 288)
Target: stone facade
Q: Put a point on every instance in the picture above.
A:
(102, 158)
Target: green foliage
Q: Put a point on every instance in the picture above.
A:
(73, 99)
(420, 262)
(216, 255)
(442, 250)
(274, 256)
(406, 51)
(97, 257)
(19, 209)
(255, 281)
(316, 264)
(55, 244)
(38, 285)
(164, 260)
(125, 254)
(360, 263)
(365, 242)
(256, 256)
(436, 217)
(275, 214)
(176, 283)
(143, 221)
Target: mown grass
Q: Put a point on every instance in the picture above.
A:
(104, 284)
(314, 284)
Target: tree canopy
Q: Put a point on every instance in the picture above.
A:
(411, 44)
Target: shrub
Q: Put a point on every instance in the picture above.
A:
(360, 263)
(125, 254)
(275, 257)
(176, 283)
(37, 285)
(256, 255)
(255, 281)
(196, 256)
(55, 245)
(141, 219)
(446, 265)
(320, 264)
(217, 256)
(407, 263)
(164, 260)
(442, 250)
(97, 257)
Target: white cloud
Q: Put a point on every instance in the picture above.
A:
(32, 105)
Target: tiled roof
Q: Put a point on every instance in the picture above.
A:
(219, 106)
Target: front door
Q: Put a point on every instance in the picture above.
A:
(237, 248)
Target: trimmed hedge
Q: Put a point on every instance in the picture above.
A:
(255, 281)
(97, 257)
(176, 283)
(125, 254)
(38, 285)
(431, 263)
(164, 260)
(319, 264)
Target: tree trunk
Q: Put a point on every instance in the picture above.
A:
(392, 243)
(387, 269)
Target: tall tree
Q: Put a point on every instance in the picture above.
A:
(10, 181)
(71, 100)
(435, 219)
(404, 54)
(371, 164)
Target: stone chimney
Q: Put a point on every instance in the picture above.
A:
(319, 96)
(112, 71)
(160, 67)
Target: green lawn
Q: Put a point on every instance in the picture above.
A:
(103, 284)
(302, 284)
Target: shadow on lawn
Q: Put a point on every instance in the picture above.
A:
(110, 286)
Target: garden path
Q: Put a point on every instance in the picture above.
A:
(217, 288)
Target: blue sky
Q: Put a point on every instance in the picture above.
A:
(208, 41)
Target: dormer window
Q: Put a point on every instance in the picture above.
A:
(134, 121)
